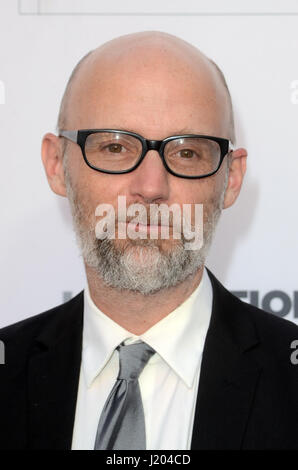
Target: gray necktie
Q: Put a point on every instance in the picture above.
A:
(121, 424)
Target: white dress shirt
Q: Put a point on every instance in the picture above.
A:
(169, 381)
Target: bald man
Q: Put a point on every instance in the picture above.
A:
(146, 123)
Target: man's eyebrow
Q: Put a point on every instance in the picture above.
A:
(185, 130)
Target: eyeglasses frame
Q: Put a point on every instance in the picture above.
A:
(80, 136)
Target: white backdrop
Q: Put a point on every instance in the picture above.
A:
(256, 45)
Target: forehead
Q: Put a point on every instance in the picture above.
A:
(155, 93)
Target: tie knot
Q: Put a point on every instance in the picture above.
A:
(132, 359)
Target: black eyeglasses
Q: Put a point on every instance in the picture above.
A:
(116, 151)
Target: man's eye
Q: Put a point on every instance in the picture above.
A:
(115, 148)
(186, 153)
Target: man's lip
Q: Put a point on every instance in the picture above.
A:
(142, 225)
(146, 225)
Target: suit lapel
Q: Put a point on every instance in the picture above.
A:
(228, 377)
(53, 378)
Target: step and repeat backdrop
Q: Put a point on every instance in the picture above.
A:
(255, 43)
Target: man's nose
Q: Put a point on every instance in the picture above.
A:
(150, 180)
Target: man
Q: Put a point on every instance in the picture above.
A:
(213, 372)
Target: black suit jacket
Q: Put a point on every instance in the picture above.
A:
(248, 389)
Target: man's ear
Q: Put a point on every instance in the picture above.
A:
(52, 158)
(236, 174)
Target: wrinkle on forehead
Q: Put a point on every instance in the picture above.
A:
(147, 59)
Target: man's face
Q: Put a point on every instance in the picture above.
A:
(155, 97)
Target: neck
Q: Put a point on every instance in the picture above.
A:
(134, 311)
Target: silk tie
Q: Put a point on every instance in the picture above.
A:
(121, 424)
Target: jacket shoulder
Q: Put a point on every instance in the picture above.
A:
(265, 319)
(19, 336)
(270, 328)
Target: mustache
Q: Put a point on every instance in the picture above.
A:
(170, 221)
(172, 218)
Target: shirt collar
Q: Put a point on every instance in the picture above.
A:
(178, 338)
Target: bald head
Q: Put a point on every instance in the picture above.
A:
(154, 60)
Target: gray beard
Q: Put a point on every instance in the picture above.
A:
(139, 265)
